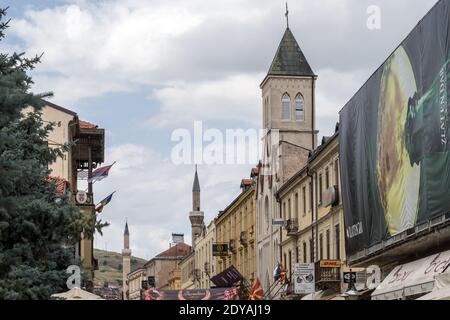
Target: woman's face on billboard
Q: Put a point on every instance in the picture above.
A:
(398, 181)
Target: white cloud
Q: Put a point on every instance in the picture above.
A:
(233, 98)
(155, 196)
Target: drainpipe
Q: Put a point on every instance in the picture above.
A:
(281, 228)
(313, 98)
(310, 173)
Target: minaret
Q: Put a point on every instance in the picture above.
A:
(196, 216)
(126, 263)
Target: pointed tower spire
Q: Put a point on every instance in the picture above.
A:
(126, 260)
(196, 186)
(289, 59)
(196, 216)
(126, 232)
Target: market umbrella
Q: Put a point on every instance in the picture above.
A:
(76, 294)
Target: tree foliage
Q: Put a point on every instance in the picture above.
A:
(38, 227)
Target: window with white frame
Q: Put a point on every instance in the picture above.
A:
(286, 107)
(299, 108)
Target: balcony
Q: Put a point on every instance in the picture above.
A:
(328, 274)
(292, 227)
(232, 245)
(243, 238)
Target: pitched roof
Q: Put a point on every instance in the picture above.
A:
(87, 125)
(289, 59)
(178, 250)
(246, 182)
(55, 106)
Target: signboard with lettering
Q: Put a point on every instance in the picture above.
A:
(304, 278)
(330, 264)
(278, 223)
(220, 249)
(349, 277)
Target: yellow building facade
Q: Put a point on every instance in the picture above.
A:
(205, 263)
(311, 206)
(235, 226)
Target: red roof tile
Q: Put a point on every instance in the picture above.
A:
(87, 125)
(61, 185)
(246, 182)
(180, 249)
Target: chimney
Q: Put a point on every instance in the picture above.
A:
(177, 238)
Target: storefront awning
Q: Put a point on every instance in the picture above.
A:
(441, 289)
(413, 278)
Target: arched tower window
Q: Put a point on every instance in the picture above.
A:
(286, 107)
(299, 108)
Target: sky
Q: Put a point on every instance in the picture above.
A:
(142, 69)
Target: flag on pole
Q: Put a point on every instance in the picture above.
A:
(279, 273)
(256, 292)
(103, 203)
(100, 173)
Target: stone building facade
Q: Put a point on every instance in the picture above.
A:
(288, 95)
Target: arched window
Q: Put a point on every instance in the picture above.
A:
(266, 212)
(286, 107)
(299, 108)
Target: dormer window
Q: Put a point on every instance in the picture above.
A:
(299, 108)
(286, 107)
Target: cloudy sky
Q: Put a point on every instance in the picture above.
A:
(141, 69)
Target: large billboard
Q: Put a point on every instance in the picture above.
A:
(395, 138)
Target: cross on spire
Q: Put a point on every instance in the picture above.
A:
(287, 15)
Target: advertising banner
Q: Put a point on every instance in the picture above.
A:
(304, 278)
(395, 138)
(200, 294)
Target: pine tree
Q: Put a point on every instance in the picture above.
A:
(37, 226)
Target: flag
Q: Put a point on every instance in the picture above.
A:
(256, 292)
(100, 173)
(279, 273)
(104, 202)
(283, 273)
